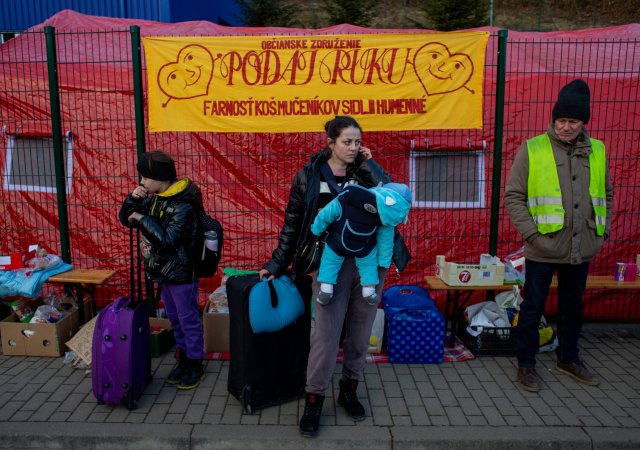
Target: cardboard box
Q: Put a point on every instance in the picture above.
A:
(216, 332)
(469, 274)
(37, 339)
(162, 340)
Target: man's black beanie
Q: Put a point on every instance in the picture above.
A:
(157, 165)
(573, 102)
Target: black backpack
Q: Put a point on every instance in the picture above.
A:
(206, 260)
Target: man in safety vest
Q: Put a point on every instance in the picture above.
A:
(559, 196)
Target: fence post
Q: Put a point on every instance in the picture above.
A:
(498, 134)
(137, 88)
(58, 151)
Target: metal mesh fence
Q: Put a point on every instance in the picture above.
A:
(245, 177)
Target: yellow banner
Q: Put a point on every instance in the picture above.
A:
(296, 83)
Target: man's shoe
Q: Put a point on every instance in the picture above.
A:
(193, 375)
(310, 421)
(578, 371)
(349, 399)
(179, 369)
(528, 379)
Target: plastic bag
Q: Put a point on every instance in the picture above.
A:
(46, 314)
(514, 266)
(377, 332)
(509, 299)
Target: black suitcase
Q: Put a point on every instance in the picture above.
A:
(266, 369)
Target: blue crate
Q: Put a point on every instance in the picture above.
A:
(414, 326)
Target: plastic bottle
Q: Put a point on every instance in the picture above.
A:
(211, 240)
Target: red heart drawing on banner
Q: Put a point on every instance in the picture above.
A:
(189, 76)
(441, 71)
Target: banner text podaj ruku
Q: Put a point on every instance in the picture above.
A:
(296, 83)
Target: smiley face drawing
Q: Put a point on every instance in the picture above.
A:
(440, 71)
(189, 76)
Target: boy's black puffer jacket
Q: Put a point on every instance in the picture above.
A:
(169, 225)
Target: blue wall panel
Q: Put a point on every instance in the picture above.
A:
(18, 15)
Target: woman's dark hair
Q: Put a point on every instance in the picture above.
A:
(335, 126)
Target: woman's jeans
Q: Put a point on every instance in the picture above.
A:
(346, 302)
(571, 284)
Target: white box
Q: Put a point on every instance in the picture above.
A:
(469, 274)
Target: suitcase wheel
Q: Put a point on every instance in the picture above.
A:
(123, 337)
(107, 337)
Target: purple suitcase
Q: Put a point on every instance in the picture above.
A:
(121, 350)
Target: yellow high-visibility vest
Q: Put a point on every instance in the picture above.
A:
(544, 196)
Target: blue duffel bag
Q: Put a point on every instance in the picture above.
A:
(414, 326)
(274, 304)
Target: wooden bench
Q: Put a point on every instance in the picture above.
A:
(82, 278)
(457, 296)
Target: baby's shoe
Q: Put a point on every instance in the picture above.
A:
(369, 295)
(325, 295)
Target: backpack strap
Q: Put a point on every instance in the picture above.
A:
(330, 179)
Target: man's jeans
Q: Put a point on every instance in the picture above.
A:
(571, 283)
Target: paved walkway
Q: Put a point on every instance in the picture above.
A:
(463, 405)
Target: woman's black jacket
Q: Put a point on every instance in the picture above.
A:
(302, 208)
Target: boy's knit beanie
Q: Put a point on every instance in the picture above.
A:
(157, 165)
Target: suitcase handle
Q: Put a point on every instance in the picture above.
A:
(120, 303)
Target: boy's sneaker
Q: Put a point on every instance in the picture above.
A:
(310, 421)
(349, 399)
(179, 369)
(324, 298)
(578, 371)
(193, 374)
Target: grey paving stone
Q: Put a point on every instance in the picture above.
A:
(477, 421)
(270, 416)
(412, 397)
(418, 415)
(157, 414)
(231, 415)
(21, 416)
(456, 415)
(426, 389)
(567, 417)
(529, 416)
(440, 421)
(493, 416)
(71, 402)
(35, 401)
(481, 397)
(433, 407)
(44, 412)
(9, 409)
(381, 416)
(373, 381)
(194, 413)
(438, 381)
(179, 404)
(173, 418)
(377, 397)
(615, 404)
(447, 397)
(397, 407)
(392, 389)
(406, 381)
